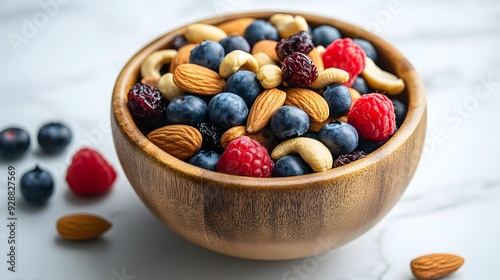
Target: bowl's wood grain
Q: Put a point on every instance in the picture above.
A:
(272, 218)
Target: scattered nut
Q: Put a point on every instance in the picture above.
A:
(81, 226)
(198, 32)
(182, 57)
(288, 25)
(312, 151)
(168, 88)
(236, 27)
(179, 140)
(382, 80)
(151, 66)
(263, 108)
(435, 266)
(330, 76)
(237, 60)
(270, 76)
(266, 46)
(263, 59)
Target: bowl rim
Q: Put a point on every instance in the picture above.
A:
(416, 111)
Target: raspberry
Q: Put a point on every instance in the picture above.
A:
(299, 70)
(373, 117)
(147, 107)
(298, 42)
(348, 158)
(346, 55)
(89, 173)
(211, 135)
(245, 157)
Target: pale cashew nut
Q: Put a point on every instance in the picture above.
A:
(330, 76)
(150, 81)
(198, 32)
(382, 80)
(151, 66)
(270, 76)
(263, 59)
(320, 50)
(316, 58)
(237, 60)
(168, 88)
(288, 25)
(312, 151)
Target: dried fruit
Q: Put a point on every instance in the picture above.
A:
(299, 70)
(348, 158)
(147, 106)
(435, 266)
(298, 42)
(211, 136)
(81, 226)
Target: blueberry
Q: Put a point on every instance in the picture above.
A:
(205, 159)
(400, 111)
(324, 35)
(368, 146)
(338, 98)
(187, 109)
(227, 109)
(360, 85)
(310, 134)
(339, 137)
(232, 43)
(288, 122)
(369, 49)
(14, 142)
(290, 166)
(208, 54)
(54, 137)
(261, 30)
(37, 186)
(244, 84)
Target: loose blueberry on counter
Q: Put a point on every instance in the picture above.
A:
(232, 43)
(261, 30)
(187, 109)
(324, 35)
(360, 85)
(205, 159)
(54, 137)
(400, 111)
(369, 49)
(290, 166)
(208, 54)
(37, 186)
(14, 142)
(227, 109)
(244, 84)
(288, 122)
(338, 98)
(339, 137)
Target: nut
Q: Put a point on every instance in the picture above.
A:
(198, 79)
(236, 27)
(382, 80)
(288, 25)
(316, 126)
(268, 47)
(355, 95)
(237, 60)
(330, 76)
(263, 59)
(435, 266)
(168, 88)
(151, 66)
(150, 81)
(265, 136)
(270, 76)
(315, 56)
(198, 32)
(320, 49)
(81, 226)
(182, 56)
(231, 134)
(311, 150)
(309, 101)
(179, 140)
(263, 108)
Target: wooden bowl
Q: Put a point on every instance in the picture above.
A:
(272, 218)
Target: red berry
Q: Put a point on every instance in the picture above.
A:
(89, 173)
(245, 157)
(298, 42)
(299, 70)
(373, 117)
(346, 55)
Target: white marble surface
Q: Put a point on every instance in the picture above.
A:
(65, 67)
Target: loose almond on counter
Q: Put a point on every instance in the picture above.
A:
(435, 266)
(81, 226)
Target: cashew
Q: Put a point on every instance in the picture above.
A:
(263, 59)
(315, 153)
(270, 76)
(316, 58)
(168, 88)
(288, 25)
(150, 81)
(381, 80)
(151, 66)
(330, 76)
(320, 49)
(237, 60)
(198, 32)
(355, 95)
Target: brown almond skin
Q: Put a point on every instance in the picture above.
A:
(435, 266)
(180, 141)
(268, 47)
(265, 136)
(182, 56)
(198, 79)
(263, 108)
(236, 27)
(310, 102)
(81, 226)
(316, 58)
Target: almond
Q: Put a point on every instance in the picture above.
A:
(179, 140)
(435, 266)
(231, 134)
(81, 226)
(316, 58)
(266, 46)
(309, 101)
(182, 57)
(263, 108)
(198, 79)
(236, 27)
(316, 126)
(265, 136)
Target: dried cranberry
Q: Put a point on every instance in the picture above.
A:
(299, 70)
(298, 42)
(147, 106)
(348, 158)
(211, 135)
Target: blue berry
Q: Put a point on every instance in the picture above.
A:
(208, 54)
(368, 146)
(37, 186)
(227, 109)
(244, 84)
(14, 142)
(360, 85)
(261, 30)
(187, 109)
(288, 122)
(369, 49)
(205, 159)
(54, 137)
(232, 43)
(400, 111)
(338, 98)
(290, 166)
(324, 35)
(339, 137)
(310, 134)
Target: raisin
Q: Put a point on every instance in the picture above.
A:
(298, 42)
(348, 158)
(299, 70)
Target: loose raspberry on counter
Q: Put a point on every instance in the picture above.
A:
(299, 70)
(373, 117)
(245, 157)
(298, 42)
(89, 173)
(346, 55)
